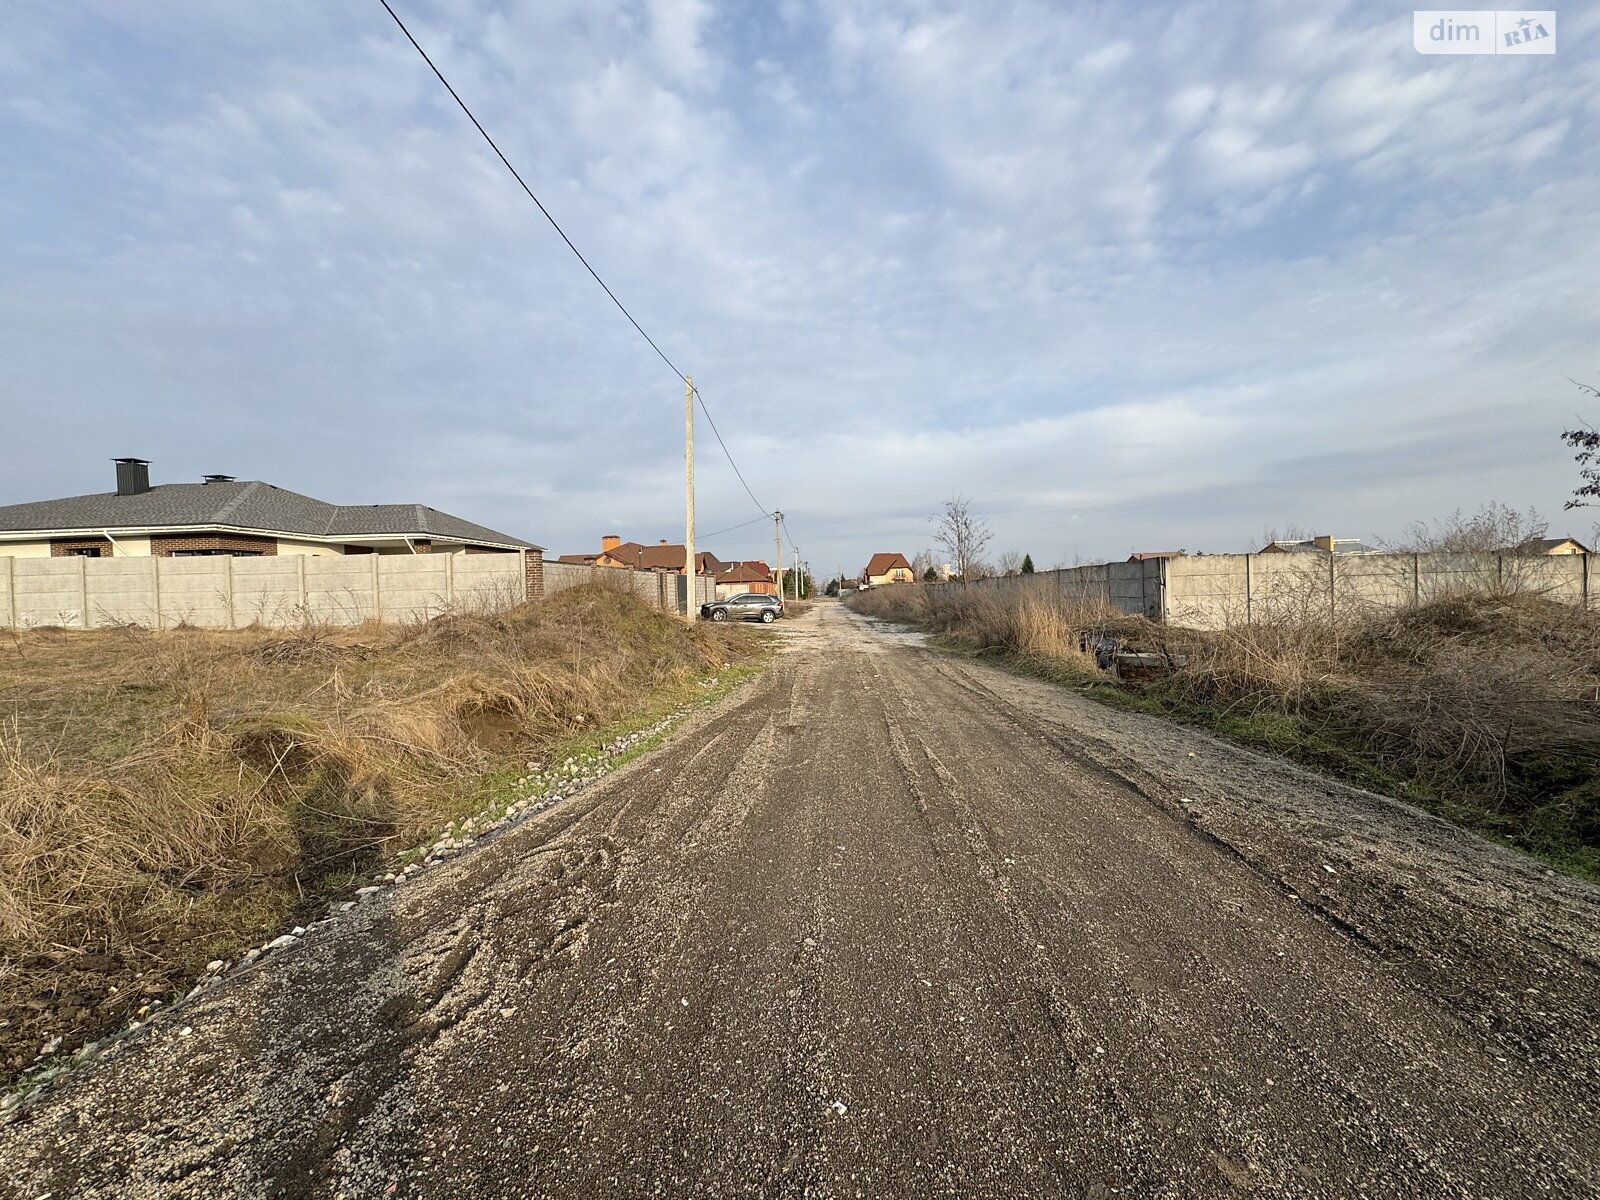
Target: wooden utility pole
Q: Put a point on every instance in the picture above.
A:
(777, 551)
(690, 578)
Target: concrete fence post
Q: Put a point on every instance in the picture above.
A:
(305, 608)
(155, 588)
(1333, 585)
(1249, 598)
(377, 595)
(450, 578)
(233, 617)
(83, 587)
(11, 586)
(1585, 558)
(1416, 579)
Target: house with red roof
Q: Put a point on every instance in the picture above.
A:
(888, 568)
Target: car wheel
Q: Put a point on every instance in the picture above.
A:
(767, 617)
(719, 614)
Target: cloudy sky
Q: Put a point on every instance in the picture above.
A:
(1129, 276)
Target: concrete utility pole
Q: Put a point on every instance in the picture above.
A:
(777, 550)
(689, 606)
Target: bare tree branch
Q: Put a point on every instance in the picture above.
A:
(963, 534)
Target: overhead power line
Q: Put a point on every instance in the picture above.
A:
(765, 511)
(731, 528)
(554, 224)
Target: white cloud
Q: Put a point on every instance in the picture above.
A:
(1125, 275)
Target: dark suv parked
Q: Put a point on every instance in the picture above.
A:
(749, 606)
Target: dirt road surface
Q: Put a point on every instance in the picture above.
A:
(887, 923)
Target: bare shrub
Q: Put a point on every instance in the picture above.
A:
(1464, 689)
(1493, 551)
(1460, 694)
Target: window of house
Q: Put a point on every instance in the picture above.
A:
(83, 552)
(216, 553)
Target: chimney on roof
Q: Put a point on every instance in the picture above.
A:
(133, 476)
(216, 479)
(609, 543)
(663, 542)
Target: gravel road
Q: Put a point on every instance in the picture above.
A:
(889, 923)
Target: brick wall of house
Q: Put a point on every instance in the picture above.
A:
(533, 566)
(166, 545)
(67, 547)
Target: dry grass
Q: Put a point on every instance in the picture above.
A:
(163, 796)
(1460, 694)
(1026, 623)
(1483, 706)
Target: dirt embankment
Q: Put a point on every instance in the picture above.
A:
(169, 798)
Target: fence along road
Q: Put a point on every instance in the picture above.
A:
(222, 592)
(1215, 591)
(892, 924)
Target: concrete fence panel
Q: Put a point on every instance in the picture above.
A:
(343, 590)
(49, 591)
(407, 592)
(266, 591)
(121, 591)
(1135, 587)
(1375, 581)
(1209, 592)
(191, 591)
(1282, 587)
(487, 582)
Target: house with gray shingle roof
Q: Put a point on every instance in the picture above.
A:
(223, 515)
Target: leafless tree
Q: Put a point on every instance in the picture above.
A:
(1493, 529)
(963, 534)
(923, 563)
(1008, 563)
(1290, 533)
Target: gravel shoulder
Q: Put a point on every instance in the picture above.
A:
(892, 923)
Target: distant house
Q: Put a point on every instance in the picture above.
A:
(1319, 545)
(225, 516)
(887, 568)
(1144, 555)
(663, 556)
(738, 578)
(1552, 546)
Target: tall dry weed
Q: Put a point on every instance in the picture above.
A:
(152, 780)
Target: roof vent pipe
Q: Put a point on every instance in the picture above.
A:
(133, 476)
(216, 479)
